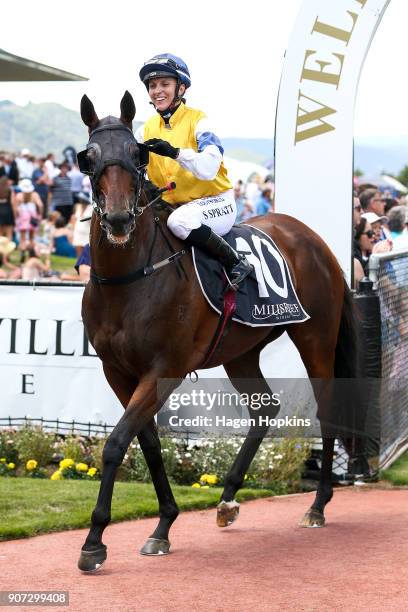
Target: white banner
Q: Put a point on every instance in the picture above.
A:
(49, 370)
(47, 367)
(314, 123)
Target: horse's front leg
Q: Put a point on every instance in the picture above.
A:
(140, 411)
(158, 543)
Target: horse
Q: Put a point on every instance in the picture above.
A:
(146, 327)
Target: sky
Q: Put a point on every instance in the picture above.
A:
(234, 49)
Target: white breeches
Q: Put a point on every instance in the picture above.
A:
(217, 212)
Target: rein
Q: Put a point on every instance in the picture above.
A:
(138, 274)
(149, 269)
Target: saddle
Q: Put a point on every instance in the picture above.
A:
(267, 297)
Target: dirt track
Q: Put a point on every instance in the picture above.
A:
(359, 562)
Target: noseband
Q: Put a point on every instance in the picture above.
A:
(105, 148)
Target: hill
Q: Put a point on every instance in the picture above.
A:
(381, 157)
(42, 128)
(372, 158)
(257, 150)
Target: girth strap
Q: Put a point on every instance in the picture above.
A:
(230, 297)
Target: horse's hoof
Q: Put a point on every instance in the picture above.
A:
(313, 518)
(227, 513)
(155, 546)
(92, 560)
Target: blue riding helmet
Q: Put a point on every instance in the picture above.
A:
(165, 64)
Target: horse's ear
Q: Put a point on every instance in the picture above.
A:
(88, 114)
(127, 108)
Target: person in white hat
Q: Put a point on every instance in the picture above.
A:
(376, 223)
(28, 208)
(7, 246)
(25, 164)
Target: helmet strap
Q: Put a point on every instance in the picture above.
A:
(174, 104)
(177, 98)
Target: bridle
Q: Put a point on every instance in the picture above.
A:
(104, 150)
(118, 152)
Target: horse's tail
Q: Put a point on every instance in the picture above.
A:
(346, 364)
(350, 395)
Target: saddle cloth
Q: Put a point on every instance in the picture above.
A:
(267, 297)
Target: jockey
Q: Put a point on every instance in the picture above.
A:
(183, 149)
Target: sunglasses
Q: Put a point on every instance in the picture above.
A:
(357, 207)
(369, 234)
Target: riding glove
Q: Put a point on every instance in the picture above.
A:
(162, 147)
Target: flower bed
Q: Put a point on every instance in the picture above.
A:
(34, 453)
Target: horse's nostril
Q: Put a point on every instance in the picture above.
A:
(118, 220)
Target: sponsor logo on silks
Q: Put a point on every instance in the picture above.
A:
(281, 311)
(210, 200)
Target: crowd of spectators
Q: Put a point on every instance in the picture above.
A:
(254, 197)
(380, 217)
(380, 226)
(41, 204)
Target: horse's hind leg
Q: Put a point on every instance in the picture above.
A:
(317, 351)
(246, 376)
(314, 517)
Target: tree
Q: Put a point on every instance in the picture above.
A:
(403, 176)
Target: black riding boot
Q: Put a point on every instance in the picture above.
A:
(235, 264)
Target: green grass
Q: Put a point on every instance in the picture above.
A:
(62, 264)
(58, 263)
(397, 474)
(29, 506)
